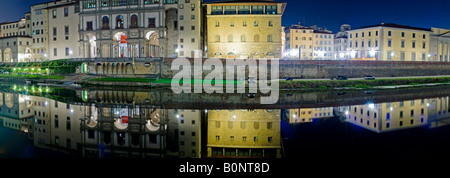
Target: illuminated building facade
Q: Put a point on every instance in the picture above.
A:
(340, 43)
(309, 43)
(389, 42)
(244, 29)
(134, 28)
(440, 41)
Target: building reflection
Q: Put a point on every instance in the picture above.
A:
(390, 116)
(244, 133)
(305, 115)
(127, 129)
(104, 130)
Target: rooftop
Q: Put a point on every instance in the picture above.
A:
(393, 25)
(244, 1)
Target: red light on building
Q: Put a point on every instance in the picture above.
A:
(124, 119)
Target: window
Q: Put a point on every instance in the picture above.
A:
(256, 38)
(256, 23)
(230, 9)
(243, 9)
(243, 38)
(269, 38)
(151, 23)
(216, 10)
(402, 55)
(413, 56)
(424, 36)
(389, 33)
(270, 24)
(133, 2)
(66, 11)
(105, 23)
(414, 35)
(118, 2)
(119, 22)
(403, 34)
(89, 25)
(401, 114)
(230, 38)
(257, 9)
(54, 52)
(54, 31)
(271, 9)
(389, 43)
(413, 44)
(54, 13)
(424, 45)
(217, 37)
(412, 113)
(151, 1)
(88, 4)
(403, 44)
(67, 51)
(66, 30)
(134, 21)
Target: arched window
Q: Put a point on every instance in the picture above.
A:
(105, 22)
(256, 38)
(134, 21)
(217, 38)
(243, 38)
(119, 22)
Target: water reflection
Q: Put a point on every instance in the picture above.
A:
(120, 127)
(389, 116)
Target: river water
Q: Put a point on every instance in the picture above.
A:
(46, 122)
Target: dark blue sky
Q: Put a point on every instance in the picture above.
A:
(329, 14)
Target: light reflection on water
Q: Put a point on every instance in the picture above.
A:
(131, 124)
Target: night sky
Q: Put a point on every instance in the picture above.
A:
(328, 14)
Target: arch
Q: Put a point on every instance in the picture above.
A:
(119, 22)
(113, 67)
(91, 46)
(134, 21)
(103, 68)
(153, 123)
(119, 50)
(243, 56)
(9, 100)
(105, 23)
(8, 55)
(27, 55)
(218, 55)
(107, 68)
(152, 44)
(129, 69)
(231, 55)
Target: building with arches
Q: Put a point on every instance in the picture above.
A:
(149, 26)
(15, 49)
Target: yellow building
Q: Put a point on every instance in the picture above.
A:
(244, 29)
(309, 42)
(390, 42)
(305, 115)
(244, 133)
(383, 117)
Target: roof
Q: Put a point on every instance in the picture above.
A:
(321, 31)
(393, 25)
(244, 1)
